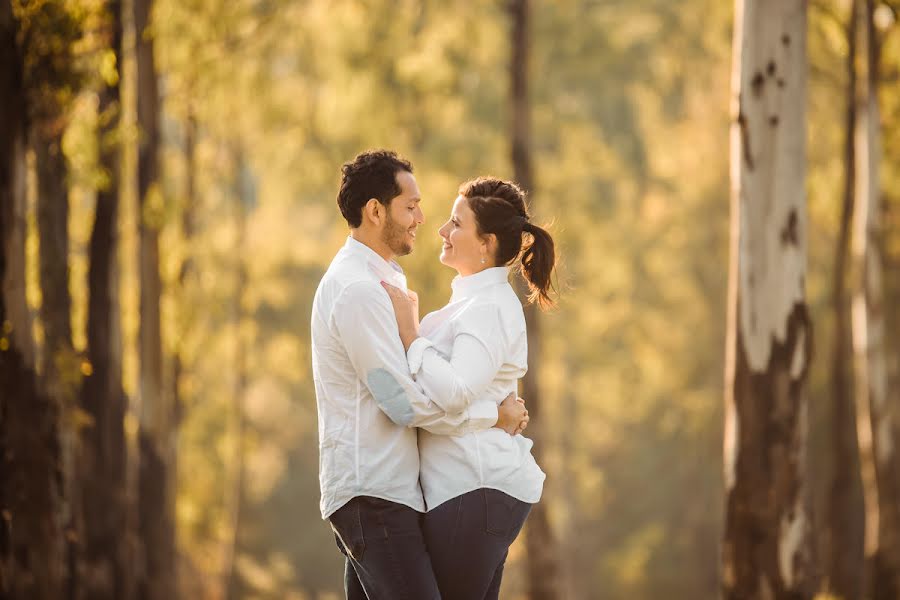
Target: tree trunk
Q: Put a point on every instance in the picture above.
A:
(31, 540)
(61, 365)
(874, 413)
(186, 270)
(245, 199)
(767, 549)
(17, 323)
(156, 521)
(544, 574)
(59, 361)
(103, 497)
(569, 446)
(845, 524)
(185, 277)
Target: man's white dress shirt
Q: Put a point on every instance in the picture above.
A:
(368, 404)
(473, 351)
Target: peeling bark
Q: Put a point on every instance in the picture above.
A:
(767, 549)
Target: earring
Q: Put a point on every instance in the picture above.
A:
(482, 258)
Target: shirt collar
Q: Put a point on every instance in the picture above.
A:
(389, 271)
(470, 285)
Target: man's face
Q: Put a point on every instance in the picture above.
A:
(404, 215)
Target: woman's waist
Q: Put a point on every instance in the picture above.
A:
(447, 474)
(487, 447)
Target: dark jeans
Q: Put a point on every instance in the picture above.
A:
(468, 539)
(385, 550)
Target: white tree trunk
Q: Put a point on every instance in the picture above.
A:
(767, 547)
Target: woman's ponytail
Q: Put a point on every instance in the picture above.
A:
(500, 209)
(537, 264)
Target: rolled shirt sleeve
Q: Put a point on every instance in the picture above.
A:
(363, 318)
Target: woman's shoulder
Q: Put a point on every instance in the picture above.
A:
(500, 308)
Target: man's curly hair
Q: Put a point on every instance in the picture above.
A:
(372, 174)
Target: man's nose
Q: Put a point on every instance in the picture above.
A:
(420, 216)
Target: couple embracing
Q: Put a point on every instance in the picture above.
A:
(425, 477)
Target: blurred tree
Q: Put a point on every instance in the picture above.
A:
(18, 332)
(889, 109)
(53, 77)
(183, 289)
(544, 574)
(32, 548)
(875, 414)
(245, 198)
(105, 571)
(844, 549)
(767, 547)
(155, 497)
(60, 366)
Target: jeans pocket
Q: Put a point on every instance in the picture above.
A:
(500, 513)
(347, 525)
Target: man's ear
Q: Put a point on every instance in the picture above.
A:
(374, 211)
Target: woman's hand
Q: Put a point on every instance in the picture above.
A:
(406, 309)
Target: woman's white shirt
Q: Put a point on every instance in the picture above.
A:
(474, 350)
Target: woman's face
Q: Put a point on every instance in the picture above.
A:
(463, 249)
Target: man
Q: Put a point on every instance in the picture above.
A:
(368, 403)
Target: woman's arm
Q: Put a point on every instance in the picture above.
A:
(475, 359)
(477, 356)
(362, 320)
(458, 381)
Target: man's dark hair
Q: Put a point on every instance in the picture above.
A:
(372, 174)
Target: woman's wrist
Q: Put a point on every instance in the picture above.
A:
(408, 336)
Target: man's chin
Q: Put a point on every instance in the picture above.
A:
(403, 249)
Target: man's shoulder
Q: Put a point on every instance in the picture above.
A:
(351, 282)
(345, 270)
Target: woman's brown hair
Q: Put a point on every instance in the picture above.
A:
(500, 209)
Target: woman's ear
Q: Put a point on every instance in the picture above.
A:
(373, 211)
(490, 241)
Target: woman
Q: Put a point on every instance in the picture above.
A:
(478, 487)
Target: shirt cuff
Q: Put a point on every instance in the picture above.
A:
(483, 415)
(416, 353)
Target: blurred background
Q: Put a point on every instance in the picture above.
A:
(207, 135)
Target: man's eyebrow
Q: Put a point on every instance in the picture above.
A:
(416, 199)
